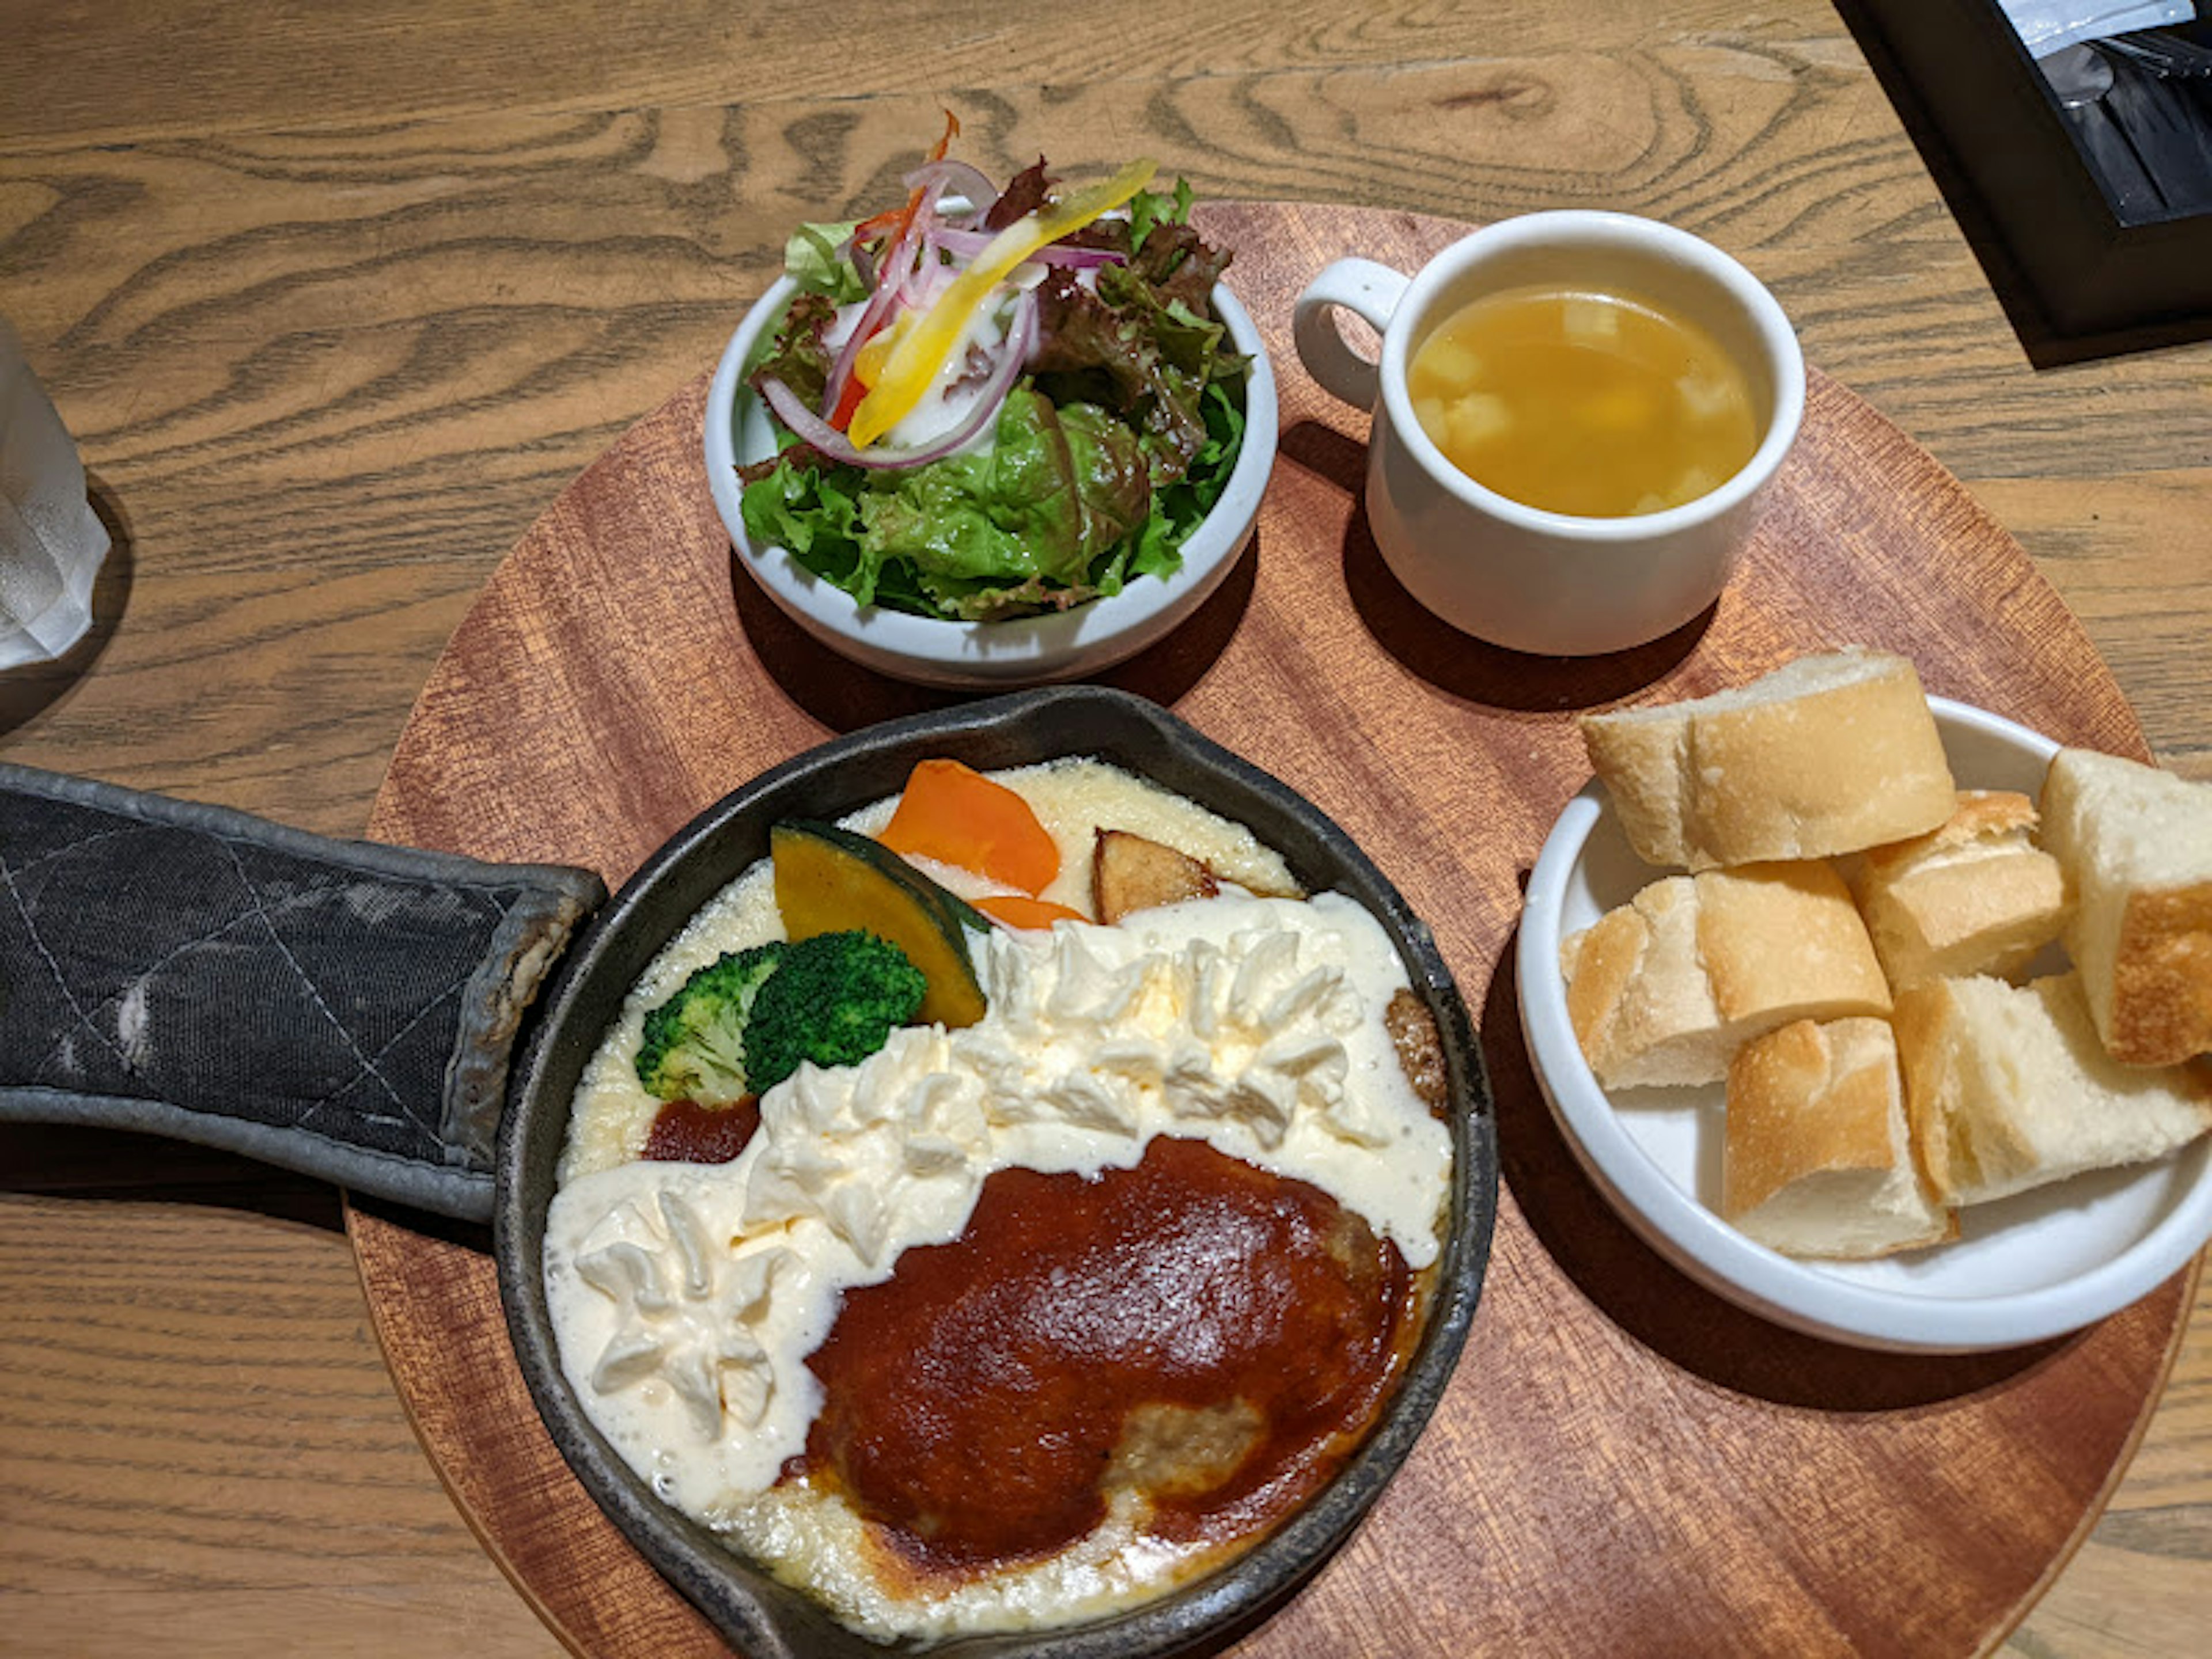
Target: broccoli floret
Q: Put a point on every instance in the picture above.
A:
(834, 1000)
(745, 1021)
(695, 1043)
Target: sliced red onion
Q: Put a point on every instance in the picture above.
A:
(842, 370)
(966, 244)
(905, 275)
(880, 303)
(1014, 354)
(892, 277)
(954, 179)
(857, 256)
(929, 279)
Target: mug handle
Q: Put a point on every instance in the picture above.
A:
(1368, 290)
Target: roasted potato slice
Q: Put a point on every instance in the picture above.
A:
(1131, 872)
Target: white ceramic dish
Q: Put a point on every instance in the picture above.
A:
(2027, 1268)
(999, 655)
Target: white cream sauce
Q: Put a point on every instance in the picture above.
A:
(950, 397)
(686, 1298)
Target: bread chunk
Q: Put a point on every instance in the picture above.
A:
(1975, 896)
(2009, 1087)
(1832, 753)
(1666, 987)
(1817, 1159)
(2135, 843)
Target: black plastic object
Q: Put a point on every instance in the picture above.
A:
(2087, 212)
(765, 1619)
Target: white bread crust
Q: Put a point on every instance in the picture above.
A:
(1831, 753)
(1665, 988)
(1817, 1158)
(2008, 1087)
(2135, 843)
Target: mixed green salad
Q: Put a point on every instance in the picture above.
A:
(996, 403)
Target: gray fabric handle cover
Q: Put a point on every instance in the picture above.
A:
(344, 1009)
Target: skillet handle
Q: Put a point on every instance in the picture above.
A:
(344, 1009)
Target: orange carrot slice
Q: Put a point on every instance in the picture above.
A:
(895, 220)
(1017, 910)
(957, 815)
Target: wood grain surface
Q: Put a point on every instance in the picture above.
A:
(340, 300)
(1614, 1431)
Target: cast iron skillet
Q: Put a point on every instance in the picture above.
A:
(761, 1617)
(77, 849)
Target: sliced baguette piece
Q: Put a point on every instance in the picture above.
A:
(1975, 896)
(1665, 988)
(2135, 843)
(1832, 753)
(2008, 1087)
(1817, 1159)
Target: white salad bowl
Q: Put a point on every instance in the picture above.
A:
(993, 655)
(2024, 1269)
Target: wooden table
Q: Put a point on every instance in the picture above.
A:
(338, 300)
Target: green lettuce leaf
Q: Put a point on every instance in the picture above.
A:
(1051, 517)
(1179, 507)
(1104, 460)
(1024, 527)
(814, 511)
(797, 353)
(1148, 208)
(812, 260)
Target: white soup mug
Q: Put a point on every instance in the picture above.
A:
(1552, 583)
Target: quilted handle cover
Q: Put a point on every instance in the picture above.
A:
(341, 1008)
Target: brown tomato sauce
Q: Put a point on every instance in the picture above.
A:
(684, 1132)
(1213, 1336)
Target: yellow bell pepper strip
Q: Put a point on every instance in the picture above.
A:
(917, 357)
(868, 363)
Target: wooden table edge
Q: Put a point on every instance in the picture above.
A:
(2192, 1276)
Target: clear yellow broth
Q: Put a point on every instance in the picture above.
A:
(1592, 404)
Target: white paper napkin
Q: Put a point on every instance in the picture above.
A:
(2045, 26)
(50, 542)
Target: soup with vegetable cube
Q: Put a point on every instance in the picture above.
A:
(1598, 404)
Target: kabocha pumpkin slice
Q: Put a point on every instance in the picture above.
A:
(828, 880)
(1131, 872)
(954, 815)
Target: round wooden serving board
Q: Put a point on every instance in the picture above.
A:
(1623, 1463)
